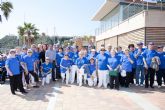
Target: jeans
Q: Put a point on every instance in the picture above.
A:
(139, 74)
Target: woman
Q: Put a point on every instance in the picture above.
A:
(13, 69)
(81, 62)
(46, 69)
(59, 56)
(92, 77)
(113, 65)
(126, 65)
(65, 66)
(30, 65)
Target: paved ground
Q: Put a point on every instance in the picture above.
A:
(60, 97)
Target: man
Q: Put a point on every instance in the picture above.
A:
(102, 62)
(52, 56)
(109, 49)
(13, 69)
(148, 56)
(139, 64)
(29, 62)
(161, 71)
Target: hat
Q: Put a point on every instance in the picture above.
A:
(12, 51)
(160, 46)
(140, 43)
(24, 48)
(29, 51)
(93, 50)
(47, 58)
(151, 43)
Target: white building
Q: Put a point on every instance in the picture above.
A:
(129, 21)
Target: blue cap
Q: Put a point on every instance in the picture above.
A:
(140, 43)
(160, 46)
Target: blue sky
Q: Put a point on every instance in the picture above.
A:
(69, 17)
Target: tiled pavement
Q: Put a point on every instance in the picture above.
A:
(61, 97)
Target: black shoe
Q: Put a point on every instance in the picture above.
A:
(36, 86)
(13, 93)
(152, 87)
(24, 92)
(146, 86)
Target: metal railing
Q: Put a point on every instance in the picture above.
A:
(128, 11)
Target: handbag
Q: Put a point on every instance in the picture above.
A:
(113, 73)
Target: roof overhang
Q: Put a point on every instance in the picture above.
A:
(107, 7)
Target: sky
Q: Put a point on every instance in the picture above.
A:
(53, 17)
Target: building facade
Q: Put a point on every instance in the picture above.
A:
(129, 21)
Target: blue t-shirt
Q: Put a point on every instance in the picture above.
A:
(148, 55)
(29, 60)
(46, 67)
(65, 64)
(74, 58)
(19, 57)
(90, 55)
(162, 60)
(126, 64)
(102, 61)
(14, 65)
(59, 56)
(35, 55)
(2, 63)
(139, 59)
(113, 62)
(133, 58)
(119, 55)
(81, 61)
(92, 68)
(70, 54)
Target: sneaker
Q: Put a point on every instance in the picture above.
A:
(141, 85)
(159, 86)
(137, 84)
(152, 87)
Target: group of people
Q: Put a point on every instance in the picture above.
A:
(114, 67)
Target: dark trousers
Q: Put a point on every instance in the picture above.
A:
(2, 76)
(53, 71)
(150, 74)
(58, 74)
(33, 74)
(20, 82)
(125, 81)
(132, 76)
(15, 82)
(114, 80)
(160, 74)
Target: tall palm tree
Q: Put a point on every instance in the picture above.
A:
(28, 33)
(6, 8)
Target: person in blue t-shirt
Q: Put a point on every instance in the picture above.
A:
(92, 54)
(113, 65)
(148, 56)
(65, 66)
(46, 69)
(13, 69)
(30, 64)
(2, 71)
(161, 71)
(102, 62)
(92, 77)
(126, 65)
(74, 67)
(81, 62)
(132, 50)
(139, 64)
(59, 56)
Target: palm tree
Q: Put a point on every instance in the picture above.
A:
(28, 33)
(6, 8)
